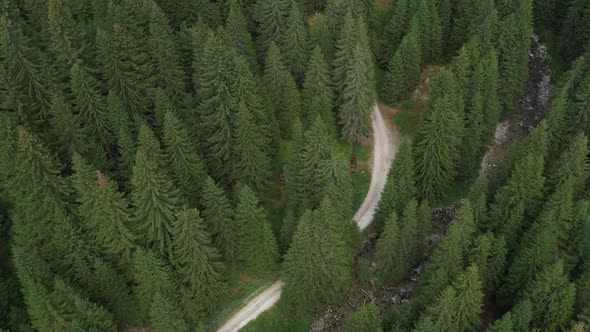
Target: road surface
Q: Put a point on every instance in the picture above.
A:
(385, 148)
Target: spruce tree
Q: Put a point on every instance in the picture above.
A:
(155, 200)
(164, 55)
(271, 19)
(552, 296)
(66, 128)
(317, 92)
(282, 89)
(197, 263)
(391, 256)
(395, 30)
(252, 163)
(400, 187)
(258, 246)
(344, 54)
(121, 60)
(124, 137)
(358, 97)
(442, 313)
(295, 42)
(187, 167)
(218, 214)
(315, 274)
(469, 303)
(236, 26)
(394, 87)
(410, 235)
(436, 142)
(424, 228)
(151, 275)
(365, 319)
(90, 104)
(105, 211)
(573, 165)
(430, 30)
(164, 316)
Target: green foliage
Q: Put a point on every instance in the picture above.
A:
(282, 89)
(295, 43)
(438, 138)
(155, 200)
(365, 319)
(317, 91)
(552, 296)
(258, 246)
(395, 30)
(218, 215)
(400, 187)
(197, 263)
(236, 27)
(187, 167)
(391, 256)
(164, 316)
(316, 270)
(252, 163)
(271, 18)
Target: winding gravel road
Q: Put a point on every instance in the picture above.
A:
(385, 148)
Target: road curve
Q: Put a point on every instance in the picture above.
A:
(383, 154)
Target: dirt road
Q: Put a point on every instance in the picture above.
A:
(254, 308)
(383, 154)
(384, 151)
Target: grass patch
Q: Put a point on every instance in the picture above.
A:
(457, 191)
(279, 318)
(407, 118)
(242, 289)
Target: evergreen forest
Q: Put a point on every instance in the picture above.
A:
(382, 165)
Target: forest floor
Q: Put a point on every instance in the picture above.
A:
(385, 145)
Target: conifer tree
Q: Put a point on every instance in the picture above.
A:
(271, 17)
(478, 195)
(395, 30)
(573, 165)
(394, 87)
(443, 313)
(411, 237)
(258, 246)
(197, 263)
(313, 154)
(295, 42)
(30, 98)
(155, 200)
(469, 300)
(164, 316)
(391, 256)
(430, 30)
(66, 127)
(310, 281)
(358, 97)
(321, 35)
(218, 216)
(491, 98)
(78, 312)
(521, 191)
(344, 54)
(317, 92)
(552, 296)
(283, 91)
(437, 140)
(365, 319)
(536, 254)
(122, 129)
(90, 104)
(121, 60)
(236, 26)
(164, 56)
(105, 211)
(187, 167)
(114, 291)
(334, 181)
(400, 186)
(424, 228)
(252, 163)
(152, 275)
